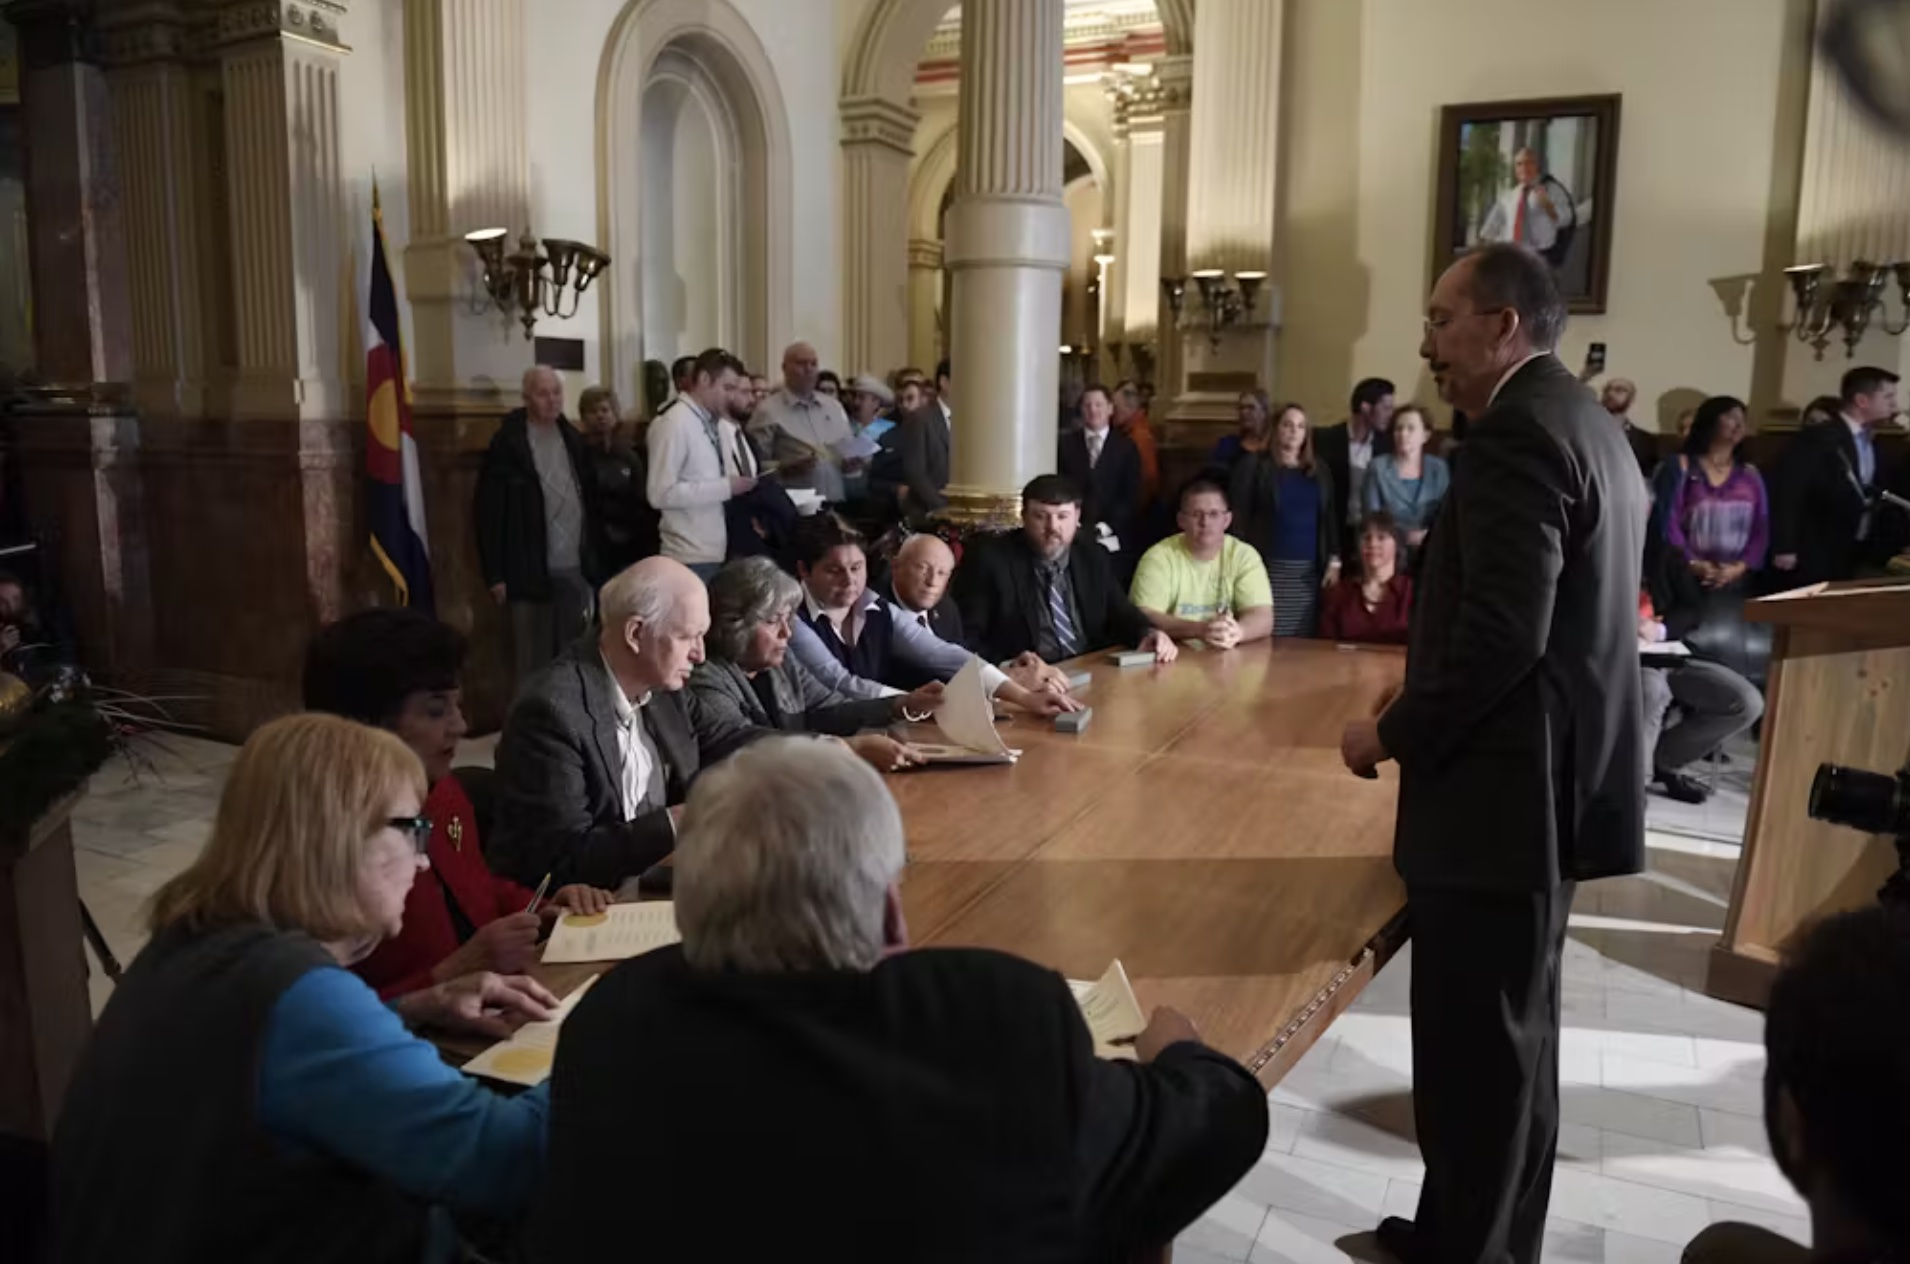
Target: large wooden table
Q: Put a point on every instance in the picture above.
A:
(1203, 830)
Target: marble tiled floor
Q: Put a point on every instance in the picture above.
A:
(1661, 1093)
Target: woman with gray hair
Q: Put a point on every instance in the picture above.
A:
(926, 1103)
(750, 679)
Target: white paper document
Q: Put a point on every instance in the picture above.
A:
(856, 447)
(1112, 1012)
(806, 499)
(967, 719)
(1664, 649)
(527, 1056)
(618, 933)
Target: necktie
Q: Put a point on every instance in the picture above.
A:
(1058, 612)
(922, 618)
(1518, 218)
(1094, 448)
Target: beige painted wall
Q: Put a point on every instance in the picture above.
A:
(1698, 148)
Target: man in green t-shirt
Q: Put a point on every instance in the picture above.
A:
(1204, 583)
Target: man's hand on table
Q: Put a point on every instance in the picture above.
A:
(1165, 651)
(1222, 633)
(576, 898)
(1029, 671)
(1045, 702)
(506, 945)
(481, 1004)
(920, 704)
(1165, 1027)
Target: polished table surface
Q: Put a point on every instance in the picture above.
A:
(1202, 829)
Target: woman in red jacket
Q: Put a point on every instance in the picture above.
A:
(1371, 607)
(398, 670)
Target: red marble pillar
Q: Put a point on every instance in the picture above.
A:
(82, 314)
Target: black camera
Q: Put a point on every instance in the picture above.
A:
(1873, 802)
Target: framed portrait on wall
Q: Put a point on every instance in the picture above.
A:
(1540, 172)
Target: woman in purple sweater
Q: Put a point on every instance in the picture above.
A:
(1719, 517)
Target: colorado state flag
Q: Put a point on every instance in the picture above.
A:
(394, 494)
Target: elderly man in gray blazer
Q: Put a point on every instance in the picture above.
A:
(599, 745)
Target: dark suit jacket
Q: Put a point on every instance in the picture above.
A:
(1253, 490)
(560, 782)
(1002, 599)
(944, 1106)
(508, 511)
(945, 621)
(1333, 444)
(1111, 488)
(1817, 504)
(923, 442)
(1518, 732)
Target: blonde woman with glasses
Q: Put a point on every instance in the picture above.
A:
(245, 1096)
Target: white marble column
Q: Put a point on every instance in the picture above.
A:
(467, 154)
(1233, 161)
(279, 70)
(1008, 240)
(878, 140)
(156, 122)
(1173, 99)
(925, 307)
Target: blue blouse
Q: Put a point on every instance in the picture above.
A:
(339, 1073)
(1296, 531)
(1411, 501)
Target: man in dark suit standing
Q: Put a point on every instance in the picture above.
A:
(1349, 448)
(1041, 589)
(1106, 465)
(1517, 734)
(601, 743)
(1822, 523)
(922, 442)
(955, 1089)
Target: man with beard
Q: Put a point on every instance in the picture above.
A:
(1043, 590)
(1518, 734)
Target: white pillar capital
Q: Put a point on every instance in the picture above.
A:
(878, 140)
(249, 20)
(881, 122)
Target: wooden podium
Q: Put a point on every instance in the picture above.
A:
(1839, 692)
(45, 1012)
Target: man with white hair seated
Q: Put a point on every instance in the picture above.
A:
(600, 743)
(926, 1104)
(847, 637)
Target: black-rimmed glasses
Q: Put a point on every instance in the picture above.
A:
(415, 828)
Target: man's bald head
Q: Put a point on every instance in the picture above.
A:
(801, 368)
(654, 615)
(921, 571)
(543, 394)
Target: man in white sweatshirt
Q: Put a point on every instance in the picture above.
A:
(699, 459)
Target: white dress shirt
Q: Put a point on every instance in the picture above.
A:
(915, 644)
(633, 745)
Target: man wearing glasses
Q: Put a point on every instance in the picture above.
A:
(1518, 735)
(1204, 584)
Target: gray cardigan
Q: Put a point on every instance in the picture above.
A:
(724, 697)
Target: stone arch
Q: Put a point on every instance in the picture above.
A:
(720, 43)
(934, 172)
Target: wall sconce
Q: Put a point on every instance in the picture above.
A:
(1225, 304)
(1848, 303)
(528, 284)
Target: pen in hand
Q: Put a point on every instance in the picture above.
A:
(538, 898)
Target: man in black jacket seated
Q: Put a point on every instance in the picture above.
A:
(1714, 703)
(1041, 589)
(925, 1105)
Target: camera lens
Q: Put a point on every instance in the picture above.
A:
(1867, 801)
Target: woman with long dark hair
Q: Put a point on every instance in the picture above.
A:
(1719, 517)
(1282, 495)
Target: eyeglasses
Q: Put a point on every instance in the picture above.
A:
(415, 828)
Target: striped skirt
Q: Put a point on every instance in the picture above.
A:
(1296, 596)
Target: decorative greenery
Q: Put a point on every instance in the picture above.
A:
(55, 751)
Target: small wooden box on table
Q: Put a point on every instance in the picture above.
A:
(1838, 692)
